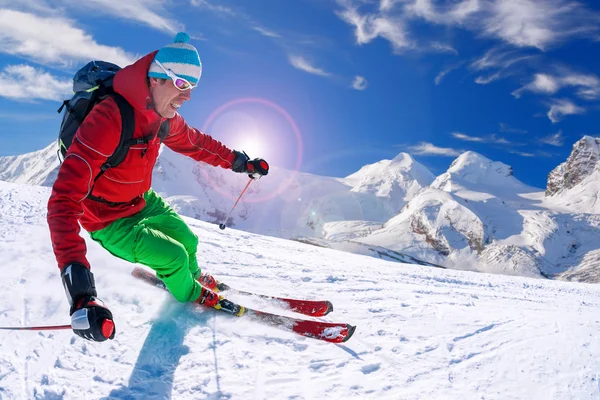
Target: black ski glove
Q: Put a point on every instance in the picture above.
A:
(90, 318)
(254, 168)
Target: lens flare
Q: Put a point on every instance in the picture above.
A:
(249, 139)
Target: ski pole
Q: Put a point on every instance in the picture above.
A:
(35, 328)
(222, 225)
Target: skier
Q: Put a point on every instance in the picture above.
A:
(117, 206)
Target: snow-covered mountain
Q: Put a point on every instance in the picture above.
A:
(422, 333)
(286, 204)
(478, 216)
(582, 162)
(394, 181)
(37, 168)
(574, 185)
(475, 216)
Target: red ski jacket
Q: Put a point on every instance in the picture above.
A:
(94, 142)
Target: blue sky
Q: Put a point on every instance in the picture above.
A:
(327, 86)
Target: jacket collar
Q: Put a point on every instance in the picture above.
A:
(131, 83)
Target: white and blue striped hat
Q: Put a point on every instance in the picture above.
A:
(181, 58)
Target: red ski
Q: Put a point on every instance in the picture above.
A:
(313, 308)
(327, 331)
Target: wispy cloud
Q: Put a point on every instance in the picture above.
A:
(562, 107)
(522, 153)
(370, 26)
(442, 74)
(509, 129)
(150, 12)
(554, 140)
(216, 8)
(266, 32)
(359, 83)
(302, 64)
(522, 23)
(455, 14)
(542, 83)
(502, 62)
(425, 148)
(26, 83)
(444, 48)
(541, 24)
(480, 139)
(153, 13)
(52, 40)
(467, 138)
(587, 86)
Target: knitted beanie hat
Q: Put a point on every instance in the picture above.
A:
(181, 58)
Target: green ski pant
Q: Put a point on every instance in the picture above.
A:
(158, 238)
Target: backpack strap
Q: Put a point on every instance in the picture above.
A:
(125, 142)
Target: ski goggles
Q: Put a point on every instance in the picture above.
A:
(179, 82)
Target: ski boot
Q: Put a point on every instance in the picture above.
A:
(211, 299)
(207, 281)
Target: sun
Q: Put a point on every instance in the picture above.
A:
(253, 143)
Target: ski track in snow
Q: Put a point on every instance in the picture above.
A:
(423, 333)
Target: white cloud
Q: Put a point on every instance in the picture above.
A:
(467, 138)
(266, 32)
(359, 83)
(479, 139)
(534, 23)
(456, 14)
(588, 86)
(425, 148)
(562, 107)
(523, 23)
(53, 40)
(522, 153)
(554, 140)
(504, 62)
(444, 48)
(442, 74)
(371, 26)
(214, 8)
(387, 5)
(542, 83)
(26, 83)
(150, 12)
(302, 64)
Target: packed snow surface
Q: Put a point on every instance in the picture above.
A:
(423, 333)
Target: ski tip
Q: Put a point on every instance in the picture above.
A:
(351, 330)
(329, 308)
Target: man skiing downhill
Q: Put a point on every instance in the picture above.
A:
(117, 206)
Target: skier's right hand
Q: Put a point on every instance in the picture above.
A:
(90, 318)
(254, 168)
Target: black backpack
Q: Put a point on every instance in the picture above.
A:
(91, 84)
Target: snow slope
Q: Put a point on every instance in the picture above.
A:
(423, 333)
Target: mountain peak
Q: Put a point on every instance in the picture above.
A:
(472, 167)
(404, 158)
(398, 179)
(581, 163)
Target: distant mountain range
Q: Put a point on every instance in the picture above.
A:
(475, 216)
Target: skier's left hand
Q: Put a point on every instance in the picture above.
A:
(254, 168)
